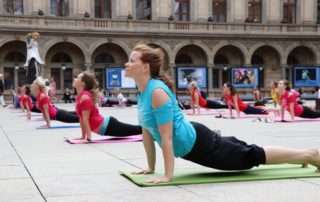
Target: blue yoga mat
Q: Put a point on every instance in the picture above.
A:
(61, 127)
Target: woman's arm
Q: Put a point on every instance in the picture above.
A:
(45, 114)
(83, 131)
(196, 102)
(28, 112)
(85, 124)
(21, 105)
(167, 152)
(229, 105)
(282, 109)
(236, 105)
(291, 109)
(159, 98)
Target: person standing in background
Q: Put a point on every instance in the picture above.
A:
(2, 102)
(34, 60)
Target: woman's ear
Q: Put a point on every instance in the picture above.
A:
(146, 67)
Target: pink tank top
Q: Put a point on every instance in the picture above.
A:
(289, 97)
(95, 118)
(43, 99)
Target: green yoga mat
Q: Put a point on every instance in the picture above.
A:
(205, 176)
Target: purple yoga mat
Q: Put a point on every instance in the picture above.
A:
(300, 120)
(135, 138)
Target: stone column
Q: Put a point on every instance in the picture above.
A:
(273, 11)
(161, 9)
(80, 7)
(307, 11)
(210, 87)
(123, 8)
(239, 10)
(201, 10)
(283, 71)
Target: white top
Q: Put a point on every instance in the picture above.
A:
(319, 94)
(33, 52)
(121, 98)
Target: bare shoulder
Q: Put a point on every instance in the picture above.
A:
(42, 96)
(84, 98)
(159, 97)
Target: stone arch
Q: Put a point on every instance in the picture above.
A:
(48, 45)
(312, 48)
(100, 42)
(202, 46)
(238, 45)
(276, 47)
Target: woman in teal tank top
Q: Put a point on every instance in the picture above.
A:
(163, 122)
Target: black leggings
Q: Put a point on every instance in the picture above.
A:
(35, 109)
(66, 116)
(254, 110)
(309, 113)
(118, 129)
(211, 104)
(224, 153)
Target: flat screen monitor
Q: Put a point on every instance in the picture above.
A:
(306, 76)
(115, 78)
(245, 77)
(185, 74)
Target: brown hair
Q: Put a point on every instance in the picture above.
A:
(232, 89)
(154, 57)
(90, 84)
(286, 84)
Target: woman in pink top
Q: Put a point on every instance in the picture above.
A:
(233, 101)
(289, 101)
(49, 111)
(90, 118)
(26, 101)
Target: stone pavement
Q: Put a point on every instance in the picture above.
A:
(37, 165)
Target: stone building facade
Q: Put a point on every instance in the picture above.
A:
(273, 35)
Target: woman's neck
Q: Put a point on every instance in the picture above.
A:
(79, 90)
(142, 83)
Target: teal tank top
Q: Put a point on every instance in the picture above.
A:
(184, 134)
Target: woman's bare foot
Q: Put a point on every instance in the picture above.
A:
(315, 160)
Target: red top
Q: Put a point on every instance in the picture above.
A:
(289, 97)
(95, 118)
(229, 100)
(195, 93)
(43, 99)
(26, 101)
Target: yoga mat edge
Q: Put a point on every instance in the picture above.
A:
(272, 173)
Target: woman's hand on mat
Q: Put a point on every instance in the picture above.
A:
(157, 180)
(44, 126)
(143, 172)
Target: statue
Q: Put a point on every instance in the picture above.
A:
(33, 57)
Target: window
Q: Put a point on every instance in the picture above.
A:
(289, 11)
(56, 75)
(102, 9)
(143, 9)
(61, 58)
(22, 76)
(182, 10)
(60, 7)
(254, 11)
(219, 10)
(13, 7)
(104, 58)
(99, 76)
(8, 78)
(318, 14)
(215, 78)
(67, 78)
(183, 59)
